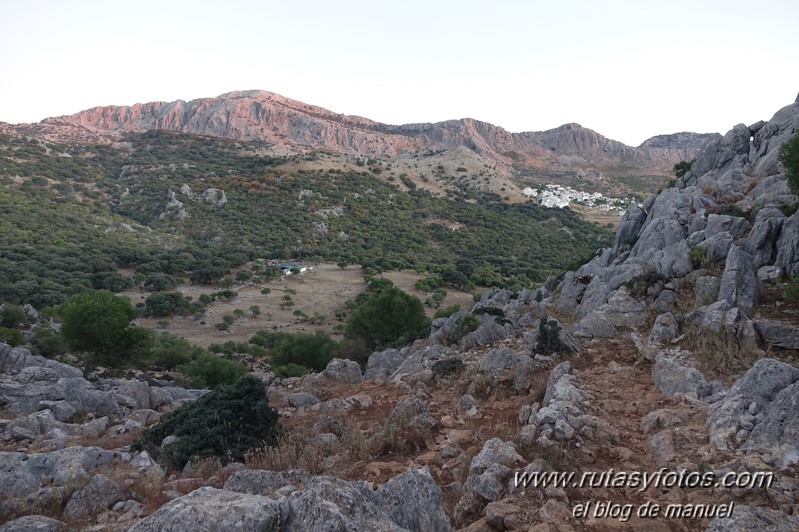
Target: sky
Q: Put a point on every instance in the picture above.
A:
(626, 69)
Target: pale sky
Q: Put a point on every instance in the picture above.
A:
(626, 69)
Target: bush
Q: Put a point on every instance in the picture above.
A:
(549, 338)
(226, 423)
(788, 156)
(792, 290)
(11, 337)
(446, 312)
(697, 257)
(389, 318)
(290, 370)
(313, 351)
(12, 316)
(98, 323)
(447, 367)
(166, 304)
(210, 371)
(170, 351)
(50, 344)
(638, 286)
(463, 326)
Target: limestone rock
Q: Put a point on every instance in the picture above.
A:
(98, 495)
(671, 378)
(746, 518)
(34, 523)
(762, 240)
(739, 281)
(778, 333)
(788, 246)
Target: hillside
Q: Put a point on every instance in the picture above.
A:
(178, 204)
(655, 387)
(570, 151)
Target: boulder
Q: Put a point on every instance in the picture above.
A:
(98, 495)
(671, 377)
(778, 432)
(214, 509)
(664, 330)
(495, 451)
(735, 226)
(778, 334)
(594, 325)
(739, 281)
(301, 400)
(498, 360)
(34, 523)
(760, 385)
(762, 240)
(706, 289)
(745, 518)
(343, 371)
(622, 310)
(413, 411)
(381, 364)
(413, 501)
(788, 246)
(717, 247)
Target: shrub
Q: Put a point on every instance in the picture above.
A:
(226, 423)
(12, 316)
(463, 326)
(11, 337)
(313, 351)
(98, 323)
(166, 304)
(549, 338)
(697, 257)
(446, 312)
(792, 290)
(638, 286)
(447, 367)
(388, 318)
(170, 351)
(50, 344)
(290, 370)
(788, 156)
(210, 371)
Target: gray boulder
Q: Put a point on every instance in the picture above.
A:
(664, 330)
(739, 281)
(98, 495)
(413, 501)
(788, 246)
(760, 385)
(34, 523)
(717, 247)
(413, 411)
(623, 310)
(594, 325)
(381, 364)
(343, 371)
(629, 228)
(778, 334)
(722, 223)
(706, 289)
(498, 360)
(778, 432)
(748, 518)
(213, 509)
(762, 240)
(666, 301)
(301, 400)
(671, 377)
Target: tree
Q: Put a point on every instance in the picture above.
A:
(788, 156)
(682, 168)
(98, 323)
(388, 318)
(226, 423)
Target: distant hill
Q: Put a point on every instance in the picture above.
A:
(290, 124)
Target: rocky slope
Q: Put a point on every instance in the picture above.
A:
(674, 351)
(265, 116)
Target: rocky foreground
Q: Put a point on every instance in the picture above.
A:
(672, 351)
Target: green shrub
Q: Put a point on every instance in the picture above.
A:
(638, 286)
(788, 156)
(226, 423)
(166, 304)
(792, 290)
(210, 371)
(313, 351)
(50, 344)
(170, 351)
(446, 312)
(549, 338)
(11, 337)
(463, 326)
(12, 316)
(389, 318)
(290, 370)
(697, 257)
(447, 367)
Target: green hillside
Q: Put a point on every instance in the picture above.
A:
(173, 204)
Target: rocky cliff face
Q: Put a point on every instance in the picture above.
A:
(265, 116)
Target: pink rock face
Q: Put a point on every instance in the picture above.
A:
(269, 117)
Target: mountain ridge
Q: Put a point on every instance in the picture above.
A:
(257, 115)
